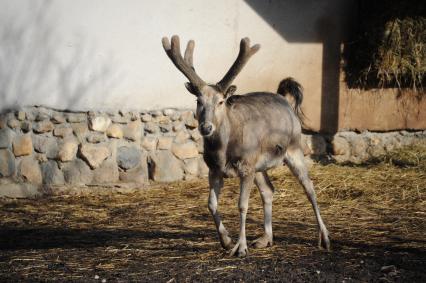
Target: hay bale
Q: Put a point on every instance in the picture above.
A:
(389, 49)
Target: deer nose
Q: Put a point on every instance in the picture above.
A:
(206, 129)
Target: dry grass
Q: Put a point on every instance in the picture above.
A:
(376, 214)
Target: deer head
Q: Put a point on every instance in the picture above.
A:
(210, 97)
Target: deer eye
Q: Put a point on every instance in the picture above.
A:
(221, 102)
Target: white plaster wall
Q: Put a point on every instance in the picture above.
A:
(83, 54)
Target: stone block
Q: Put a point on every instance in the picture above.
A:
(30, 171)
(76, 117)
(77, 172)
(107, 172)
(62, 131)
(52, 175)
(96, 137)
(99, 123)
(165, 167)
(128, 157)
(67, 150)
(22, 145)
(114, 131)
(189, 119)
(6, 137)
(133, 131)
(185, 150)
(7, 163)
(165, 143)
(94, 155)
(47, 145)
(43, 127)
(149, 143)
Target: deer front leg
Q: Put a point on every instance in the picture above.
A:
(216, 184)
(246, 183)
(266, 190)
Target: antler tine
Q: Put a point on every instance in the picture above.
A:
(183, 65)
(243, 56)
(189, 52)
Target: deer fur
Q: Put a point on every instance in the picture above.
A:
(244, 136)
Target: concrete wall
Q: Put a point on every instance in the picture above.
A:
(104, 54)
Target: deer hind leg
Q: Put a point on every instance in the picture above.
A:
(216, 184)
(266, 190)
(295, 161)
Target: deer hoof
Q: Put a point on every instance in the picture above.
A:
(226, 242)
(324, 241)
(240, 250)
(262, 242)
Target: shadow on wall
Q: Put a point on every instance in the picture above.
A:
(314, 21)
(32, 72)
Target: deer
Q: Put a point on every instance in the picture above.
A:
(245, 136)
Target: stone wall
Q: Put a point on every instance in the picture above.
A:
(41, 146)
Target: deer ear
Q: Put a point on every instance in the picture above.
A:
(230, 91)
(190, 87)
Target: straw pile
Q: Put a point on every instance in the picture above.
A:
(390, 47)
(376, 214)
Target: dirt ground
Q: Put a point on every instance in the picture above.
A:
(376, 215)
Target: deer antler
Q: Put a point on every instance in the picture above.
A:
(243, 56)
(185, 65)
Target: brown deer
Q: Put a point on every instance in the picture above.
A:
(244, 136)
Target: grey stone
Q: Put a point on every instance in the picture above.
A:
(164, 167)
(165, 143)
(26, 126)
(22, 145)
(62, 131)
(182, 137)
(99, 123)
(178, 126)
(165, 128)
(76, 117)
(340, 146)
(80, 130)
(189, 119)
(47, 145)
(51, 173)
(128, 157)
(202, 168)
(77, 172)
(149, 143)
(42, 116)
(119, 119)
(169, 112)
(114, 131)
(94, 155)
(30, 171)
(43, 127)
(96, 137)
(7, 163)
(133, 131)
(138, 174)
(6, 137)
(11, 189)
(195, 135)
(14, 123)
(191, 166)
(146, 118)
(156, 113)
(134, 115)
(58, 118)
(151, 127)
(106, 173)
(67, 150)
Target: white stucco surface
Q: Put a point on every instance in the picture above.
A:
(105, 54)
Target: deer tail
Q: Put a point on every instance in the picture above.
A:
(290, 86)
